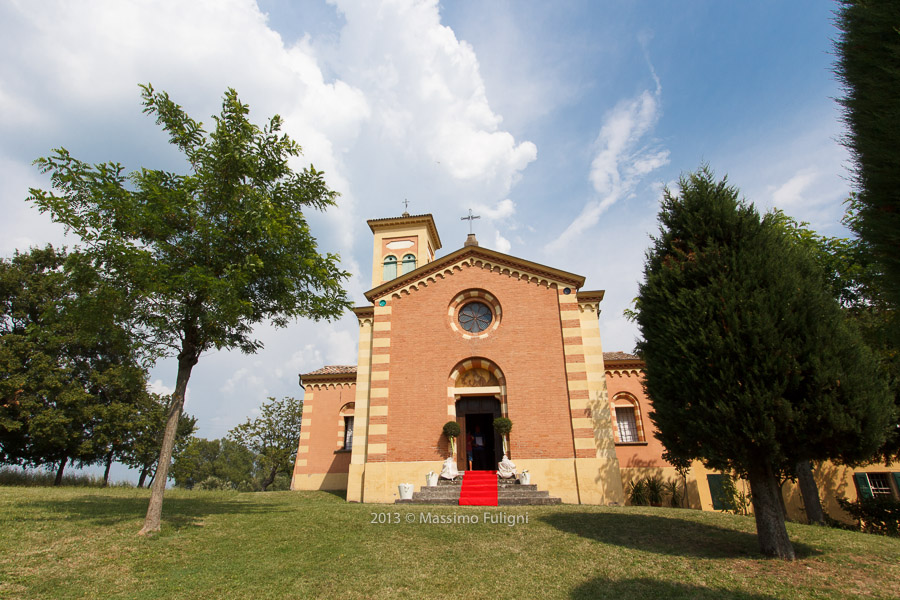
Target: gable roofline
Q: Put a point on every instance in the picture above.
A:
(572, 279)
(407, 220)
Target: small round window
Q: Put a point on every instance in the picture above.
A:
(475, 317)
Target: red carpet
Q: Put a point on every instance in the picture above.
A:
(479, 488)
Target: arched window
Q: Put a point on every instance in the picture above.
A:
(627, 419)
(345, 427)
(390, 267)
(409, 263)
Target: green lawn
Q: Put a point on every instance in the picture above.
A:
(82, 543)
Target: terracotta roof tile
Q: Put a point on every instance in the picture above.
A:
(619, 356)
(334, 370)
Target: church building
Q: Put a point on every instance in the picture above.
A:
(467, 337)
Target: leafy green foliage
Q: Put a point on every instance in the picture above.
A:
(146, 435)
(451, 429)
(655, 489)
(731, 498)
(224, 459)
(637, 493)
(503, 425)
(72, 377)
(869, 67)
(208, 254)
(854, 280)
(876, 515)
(675, 493)
(213, 251)
(750, 362)
(273, 437)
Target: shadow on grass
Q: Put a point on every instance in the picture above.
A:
(664, 535)
(342, 494)
(106, 510)
(651, 588)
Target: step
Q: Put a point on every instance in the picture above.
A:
(509, 493)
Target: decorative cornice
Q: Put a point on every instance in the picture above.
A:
(405, 222)
(593, 296)
(365, 314)
(475, 256)
(322, 385)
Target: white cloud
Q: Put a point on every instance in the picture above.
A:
(791, 194)
(625, 156)
(501, 244)
(158, 387)
(501, 210)
(426, 91)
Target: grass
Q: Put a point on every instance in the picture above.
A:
(82, 543)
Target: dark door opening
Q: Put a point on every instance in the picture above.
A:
(481, 427)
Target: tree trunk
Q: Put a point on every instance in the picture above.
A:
(109, 461)
(781, 498)
(770, 529)
(809, 489)
(143, 476)
(186, 361)
(59, 471)
(268, 480)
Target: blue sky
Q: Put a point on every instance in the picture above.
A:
(559, 123)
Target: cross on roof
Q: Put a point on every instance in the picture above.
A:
(406, 204)
(470, 218)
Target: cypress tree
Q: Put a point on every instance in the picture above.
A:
(869, 67)
(750, 363)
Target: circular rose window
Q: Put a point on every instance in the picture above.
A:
(475, 317)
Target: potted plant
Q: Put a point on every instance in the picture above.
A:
(452, 431)
(503, 426)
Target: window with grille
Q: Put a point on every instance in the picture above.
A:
(348, 433)
(879, 484)
(626, 423)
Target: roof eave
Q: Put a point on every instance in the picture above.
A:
(575, 280)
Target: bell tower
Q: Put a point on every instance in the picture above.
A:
(402, 244)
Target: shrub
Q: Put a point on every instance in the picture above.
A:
(213, 483)
(875, 515)
(451, 429)
(637, 493)
(503, 425)
(674, 492)
(732, 500)
(655, 489)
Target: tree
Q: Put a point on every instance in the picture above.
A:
(208, 254)
(869, 68)
(750, 362)
(855, 281)
(146, 434)
(70, 365)
(224, 459)
(273, 437)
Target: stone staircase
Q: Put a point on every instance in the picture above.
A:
(509, 493)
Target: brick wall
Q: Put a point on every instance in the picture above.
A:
(322, 430)
(623, 384)
(527, 347)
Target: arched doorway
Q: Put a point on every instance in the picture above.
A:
(475, 415)
(477, 396)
